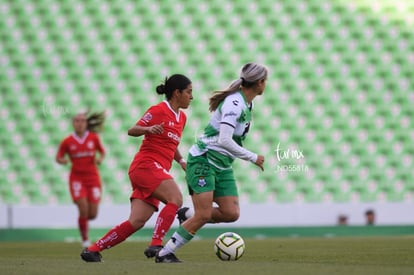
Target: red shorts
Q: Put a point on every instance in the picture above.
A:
(85, 187)
(145, 178)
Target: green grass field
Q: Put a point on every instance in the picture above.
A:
(368, 255)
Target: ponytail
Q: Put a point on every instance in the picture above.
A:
(250, 74)
(95, 121)
(160, 89)
(219, 96)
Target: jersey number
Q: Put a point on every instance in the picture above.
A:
(201, 169)
(246, 129)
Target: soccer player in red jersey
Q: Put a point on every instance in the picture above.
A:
(151, 182)
(84, 181)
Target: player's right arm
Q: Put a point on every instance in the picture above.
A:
(138, 130)
(146, 124)
(60, 156)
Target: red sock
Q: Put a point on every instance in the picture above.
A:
(83, 227)
(114, 236)
(164, 222)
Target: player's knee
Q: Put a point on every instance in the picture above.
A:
(177, 201)
(203, 217)
(232, 216)
(92, 216)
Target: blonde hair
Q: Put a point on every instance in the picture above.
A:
(250, 74)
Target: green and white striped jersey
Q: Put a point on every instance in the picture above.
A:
(234, 111)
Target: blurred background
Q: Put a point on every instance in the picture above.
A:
(335, 123)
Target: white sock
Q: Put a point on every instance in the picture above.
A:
(86, 243)
(176, 241)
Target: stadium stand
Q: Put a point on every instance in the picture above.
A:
(340, 91)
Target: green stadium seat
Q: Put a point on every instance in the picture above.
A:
(337, 89)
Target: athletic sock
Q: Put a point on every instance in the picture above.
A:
(114, 236)
(178, 239)
(163, 224)
(83, 228)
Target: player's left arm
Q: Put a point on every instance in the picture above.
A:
(147, 125)
(231, 112)
(100, 149)
(179, 158)
(60, 155)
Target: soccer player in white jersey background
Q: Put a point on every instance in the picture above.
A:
(209, 167)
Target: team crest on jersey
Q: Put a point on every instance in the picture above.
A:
(90, 145)
(201, 181)
(147, 117)
(72, 147)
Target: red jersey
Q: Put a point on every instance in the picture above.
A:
(160, 148)
(81, 151)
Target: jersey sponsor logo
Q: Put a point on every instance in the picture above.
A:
(173, 136)
(83, 154)
(147, 117)
(231, 113)
(236, 102)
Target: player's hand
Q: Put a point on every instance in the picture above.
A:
(98, 161)
(62, 161)
(156, 129)
(259, 162)
(183, 165)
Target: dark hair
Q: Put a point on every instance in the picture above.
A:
(95, 121)
(176, 81)
(369, 212)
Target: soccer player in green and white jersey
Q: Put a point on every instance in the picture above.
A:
(209, 167)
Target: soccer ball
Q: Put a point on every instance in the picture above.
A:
(229, 246)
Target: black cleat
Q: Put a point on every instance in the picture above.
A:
(152, 250)
(90, 256)
(169, 258)
(181, 214)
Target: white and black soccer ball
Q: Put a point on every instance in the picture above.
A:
(229, 246)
